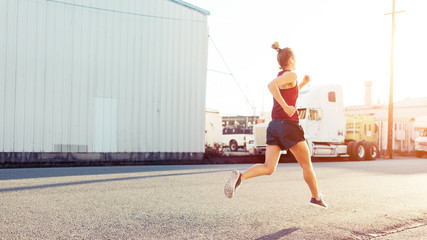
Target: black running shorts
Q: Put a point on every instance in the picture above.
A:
(284, 134)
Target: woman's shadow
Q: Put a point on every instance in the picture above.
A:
(278, 234)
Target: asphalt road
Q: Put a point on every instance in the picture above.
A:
(382, 199)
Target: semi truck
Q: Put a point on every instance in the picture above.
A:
(327, 130)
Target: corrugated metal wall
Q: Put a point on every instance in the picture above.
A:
(102, 76)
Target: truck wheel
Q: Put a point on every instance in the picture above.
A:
(233, 146)
(371, 151)
(419, 154)
(359, 152)
(350, 146)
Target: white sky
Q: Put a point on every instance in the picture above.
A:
(335, 41)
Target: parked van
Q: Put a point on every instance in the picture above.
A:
(420, 126)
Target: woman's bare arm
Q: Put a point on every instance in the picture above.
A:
(273, 86)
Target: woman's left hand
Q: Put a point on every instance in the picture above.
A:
(306, 79)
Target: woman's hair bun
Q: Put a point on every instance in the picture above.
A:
(276, 46)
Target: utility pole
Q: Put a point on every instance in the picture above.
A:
(389, 152)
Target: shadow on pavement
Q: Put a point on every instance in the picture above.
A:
(102, 180)
(279, 234)
(25, 173)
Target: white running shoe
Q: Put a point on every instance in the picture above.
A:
(232, 183)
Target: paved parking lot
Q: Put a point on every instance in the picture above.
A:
(383, 199)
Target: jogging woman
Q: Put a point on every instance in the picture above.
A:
(284, 131)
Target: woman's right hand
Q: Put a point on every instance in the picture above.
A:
(290, 110)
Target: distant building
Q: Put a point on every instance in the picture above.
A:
(408, 108)
(239, 124)
(405, 113)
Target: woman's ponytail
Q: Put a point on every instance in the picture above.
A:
(276, 46)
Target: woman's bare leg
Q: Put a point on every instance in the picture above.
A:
(272, 156)
(302, 155)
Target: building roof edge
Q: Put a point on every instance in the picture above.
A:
(189, 5)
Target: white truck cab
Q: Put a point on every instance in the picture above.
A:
(321, 111)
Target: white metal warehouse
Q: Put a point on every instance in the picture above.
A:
(102, 79)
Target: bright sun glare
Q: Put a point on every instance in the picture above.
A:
(344, 42)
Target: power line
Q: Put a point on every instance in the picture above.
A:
(213, 70)
(230, 73)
